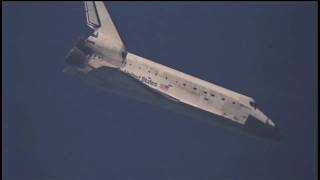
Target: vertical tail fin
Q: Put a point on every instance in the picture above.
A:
(92, 15)
(99, 19)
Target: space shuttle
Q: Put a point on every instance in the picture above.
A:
(101, 59)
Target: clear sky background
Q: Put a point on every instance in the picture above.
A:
(57, 127)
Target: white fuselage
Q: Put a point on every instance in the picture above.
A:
(189, 90)
(101, 55)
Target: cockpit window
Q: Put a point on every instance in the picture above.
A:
(253, 104)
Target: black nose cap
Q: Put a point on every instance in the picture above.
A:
(263, 130)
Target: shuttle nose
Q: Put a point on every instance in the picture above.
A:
(266, 130)
(271, 123)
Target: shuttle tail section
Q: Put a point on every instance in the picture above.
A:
(106, 38)
(99, 19)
